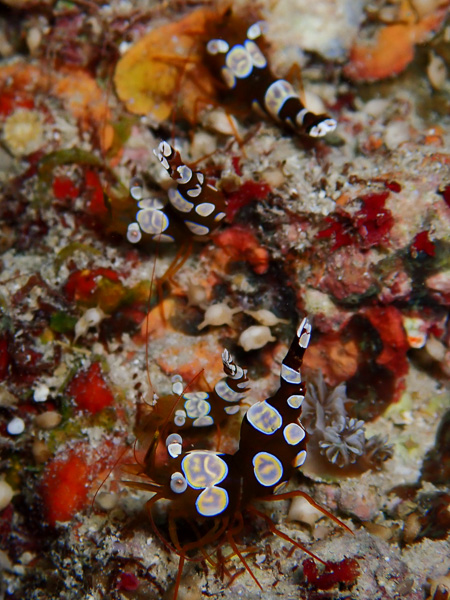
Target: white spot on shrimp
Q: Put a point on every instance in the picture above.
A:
(196, 228)
(205, 209)
(290, 375)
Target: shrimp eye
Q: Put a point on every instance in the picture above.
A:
(178, 483)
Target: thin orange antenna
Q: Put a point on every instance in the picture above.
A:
(161, 538)
(145, 486)
(116, 462)
(178, 579)
(135, 455)
(282, 535)
(242, 559)
(295, 494)
(149, 299)
(175, 95)
(208, 537)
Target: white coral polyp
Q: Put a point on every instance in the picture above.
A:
(343, 441)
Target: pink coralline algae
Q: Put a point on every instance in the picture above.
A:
(344, 572)
(348, 275)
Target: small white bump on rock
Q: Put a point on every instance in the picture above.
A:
(416, 331)
(255, 337)
(16, 426)
(265, 317)
(396, 134)
(435, 349)
(218, 314)
(376, 107)
(91, 318)
(106, 500)
(196, 294)
(34, 39)
(6, 494)
(221, 122)
(41, 451)
(41, 393)
(304, 512)
(436, 71)
(6, 398)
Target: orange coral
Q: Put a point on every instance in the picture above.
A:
(393, 48)
(85, 100)
(65, 487)
(69, 477)
(156, 325)
(74, 87)
(335, 358)
(388, 322)
(149, 76)
(90, 391)
(239, 243)
(204, 354)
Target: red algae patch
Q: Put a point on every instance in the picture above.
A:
(249, 191)
(69, 479)
(65, 486)
(369, 227)
(422, 243)
(83, 285)
(63, 187)
(128, 582)
(344, 572)
(90, 391)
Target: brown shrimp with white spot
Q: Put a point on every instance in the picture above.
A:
(209, 491)
(194, 210)
(239, 53)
